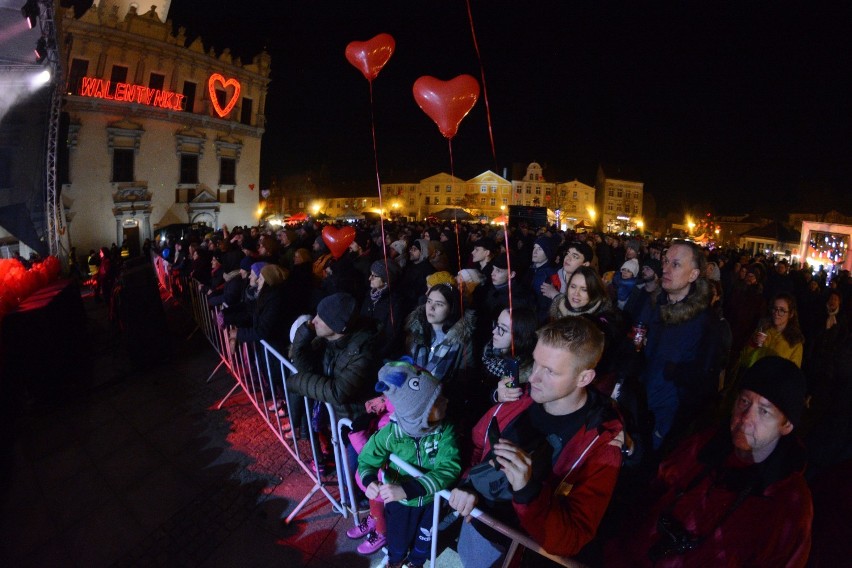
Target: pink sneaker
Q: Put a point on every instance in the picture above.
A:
(374, 542)
(364, 528)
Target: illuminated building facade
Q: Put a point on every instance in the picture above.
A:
(160, 131)
(618, 197)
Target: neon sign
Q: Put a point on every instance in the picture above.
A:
(216, 79)
(100, 89)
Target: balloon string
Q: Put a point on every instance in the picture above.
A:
(484, 87)
(509, 268)
(456, 219)
(381, 206)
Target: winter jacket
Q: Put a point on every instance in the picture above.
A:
(681, 354)
(699, 483)
(269, 319)
(535, 277)
(775, 344)
(451, 356)
(341, 372)
(389, 324)
(562, 510)
(436, 454)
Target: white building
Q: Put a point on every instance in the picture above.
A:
(160, 131)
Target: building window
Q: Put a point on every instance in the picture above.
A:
(575, 195)
(156, 81)
(493, 201)
(79, 69)
(411, 200)
(426, 200)
(122, 164)
(538, 191)
(245, 112)
(505, 201)
(449, 200)
(227, 171)
(493, 189)
(529, 190)
(189, 96)
(482, 201)
(619, 192)
(547, 191)
(188, 168)
(437, 189)
(118, 75)
(609, 208)
(226, 196)
(483, 189)
(449, 188)
(611, 192)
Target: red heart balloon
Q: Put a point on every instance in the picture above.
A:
(370, 56)
(338, 240)
(446, 102)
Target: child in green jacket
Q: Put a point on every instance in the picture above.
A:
(417, 434)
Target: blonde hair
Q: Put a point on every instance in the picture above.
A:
(577, 335)
(273, 275)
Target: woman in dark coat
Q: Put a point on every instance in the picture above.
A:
(383, 304)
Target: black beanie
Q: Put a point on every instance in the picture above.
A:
(336, 311)
(779, 381)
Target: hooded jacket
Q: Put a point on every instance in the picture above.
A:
(562, 510)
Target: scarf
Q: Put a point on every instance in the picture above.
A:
(376, 294)
(832, 318)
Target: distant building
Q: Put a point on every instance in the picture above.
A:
(575, 202)
(618, 195)
(160, 131)
(533, 189)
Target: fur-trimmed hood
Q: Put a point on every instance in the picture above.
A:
(696, 301)
(461, 331)
(228, 276)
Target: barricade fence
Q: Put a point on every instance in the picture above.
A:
(261, 371)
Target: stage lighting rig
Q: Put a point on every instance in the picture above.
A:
(41, 50)
(30, 11)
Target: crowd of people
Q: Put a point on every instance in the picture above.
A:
(621, 400)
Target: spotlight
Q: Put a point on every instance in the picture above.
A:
(41, 50)
(30, 11)
(41, 79)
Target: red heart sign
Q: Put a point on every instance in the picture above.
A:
(370, 56)
(251, 186)
(338, 240)
(216, 79)
(446, 102)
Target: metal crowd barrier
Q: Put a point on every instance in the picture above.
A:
(518, 538)
(260, 371)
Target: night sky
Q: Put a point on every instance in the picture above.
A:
(732, 109)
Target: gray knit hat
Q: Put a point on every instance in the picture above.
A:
(412, 392)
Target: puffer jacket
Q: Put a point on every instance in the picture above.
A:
(436, 454)
(341, 372)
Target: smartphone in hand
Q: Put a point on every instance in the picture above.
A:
(513, 367)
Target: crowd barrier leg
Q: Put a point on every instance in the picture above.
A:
(344, 472)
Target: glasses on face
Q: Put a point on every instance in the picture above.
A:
(780, 310)
(501, 330)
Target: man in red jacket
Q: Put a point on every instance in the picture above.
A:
(546, 463)
(731, 496)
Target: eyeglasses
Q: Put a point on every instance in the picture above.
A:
(501, 330)
(782, 311)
